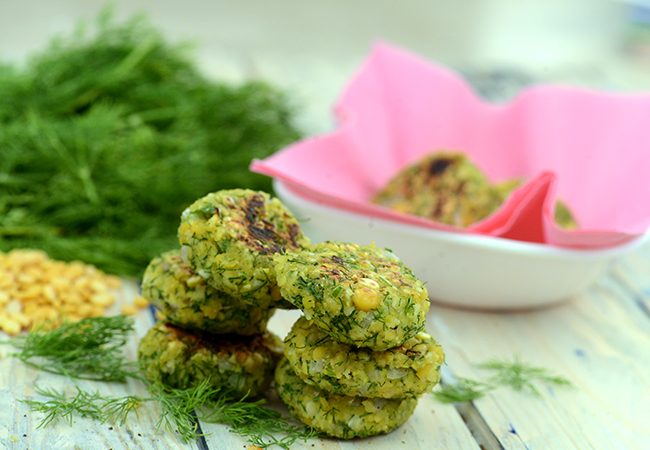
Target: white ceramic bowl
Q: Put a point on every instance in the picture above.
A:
(464, 270)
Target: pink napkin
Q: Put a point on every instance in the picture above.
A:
(590, 149)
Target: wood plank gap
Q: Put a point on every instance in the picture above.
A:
(643, 306)
(201, 443)
(477, 426)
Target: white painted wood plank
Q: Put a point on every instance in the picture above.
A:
(594, 340)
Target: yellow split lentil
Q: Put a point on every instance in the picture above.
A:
(36, 289)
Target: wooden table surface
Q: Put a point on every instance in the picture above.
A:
(599, 340)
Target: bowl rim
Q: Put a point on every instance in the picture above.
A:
(485, 242)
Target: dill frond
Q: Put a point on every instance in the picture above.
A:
(520, 375)
(463, 390)
(89, 349)
(84, 404)
(517, 375)
(262, 426)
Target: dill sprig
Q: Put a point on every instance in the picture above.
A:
(89, 349)
(177, 406)
(262, 426)
(463, 390)
(520, 375)
(517, 374)
(84, 404)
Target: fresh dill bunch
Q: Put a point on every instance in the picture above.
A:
(517, 374)
(90, 349)
(108, 134)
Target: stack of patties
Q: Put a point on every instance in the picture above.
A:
(358, 359)
(217, 293)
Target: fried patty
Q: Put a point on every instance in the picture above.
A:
(231, 237)
(409, 370)
(186, 299)
(445, 187)
(359, 295)
(339, 416)
(242, 366)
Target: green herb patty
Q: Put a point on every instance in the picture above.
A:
(231, 237)
(359, 295)
(187, 300)
(410, 369)
(337, 415)
(241, 365)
